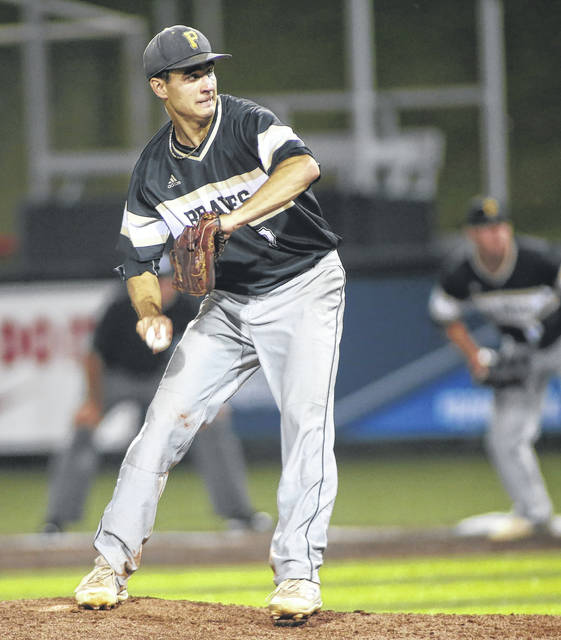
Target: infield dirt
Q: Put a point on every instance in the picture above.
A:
(154, 619)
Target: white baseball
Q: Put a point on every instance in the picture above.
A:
(157, 344)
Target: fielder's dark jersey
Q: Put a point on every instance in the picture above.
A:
(120, 347)
(172, 185)
(522, 299)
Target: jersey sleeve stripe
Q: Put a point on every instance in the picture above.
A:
(143, 231)
(273, 139)
(443, 308)
(139, 254)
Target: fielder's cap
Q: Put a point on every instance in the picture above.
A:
(178, 47)
(485, 210)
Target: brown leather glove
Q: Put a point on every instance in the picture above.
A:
(194, 253)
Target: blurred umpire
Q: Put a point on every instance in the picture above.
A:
(120, 367)
(516, 284)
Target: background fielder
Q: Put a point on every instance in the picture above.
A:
(515, 284)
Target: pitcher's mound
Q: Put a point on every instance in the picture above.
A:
(155, 619)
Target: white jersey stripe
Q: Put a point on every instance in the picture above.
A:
(143, 231)
(174, 217)
(234, 190)
(251, 181)
(272, 139)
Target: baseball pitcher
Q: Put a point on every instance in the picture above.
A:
(267, 260)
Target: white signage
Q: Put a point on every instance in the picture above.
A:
(45, 330)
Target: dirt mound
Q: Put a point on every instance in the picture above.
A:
(142, 618)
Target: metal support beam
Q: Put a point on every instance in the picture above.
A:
(494, 119)
(35, 80)
(138, 94)
(78, 20)
(165, 14)
(208, 17)
(81, 20)
(72, 9)
(360, 45)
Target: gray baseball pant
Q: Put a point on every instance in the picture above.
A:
(515, 427)
(293, 333)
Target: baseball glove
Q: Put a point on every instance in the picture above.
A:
(505, 369)
(194, 253)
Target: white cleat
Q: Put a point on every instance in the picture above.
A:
(513, 528)
(294, 601)
(99, 589)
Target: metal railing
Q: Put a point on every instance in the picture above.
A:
(74, 20)
(372, 154)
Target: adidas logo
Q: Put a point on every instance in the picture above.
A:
(173, 181)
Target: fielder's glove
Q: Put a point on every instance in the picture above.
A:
(504, 369)
(194, 253)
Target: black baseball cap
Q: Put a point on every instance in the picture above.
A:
(178, 47)
(485, 210)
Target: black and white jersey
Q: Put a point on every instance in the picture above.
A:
(172, 185)
(522, 298)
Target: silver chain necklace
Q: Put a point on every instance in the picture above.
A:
(177, 153)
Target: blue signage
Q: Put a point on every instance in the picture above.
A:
(450, 407)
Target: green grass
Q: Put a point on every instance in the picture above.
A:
(410, 491)
(523, 583)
